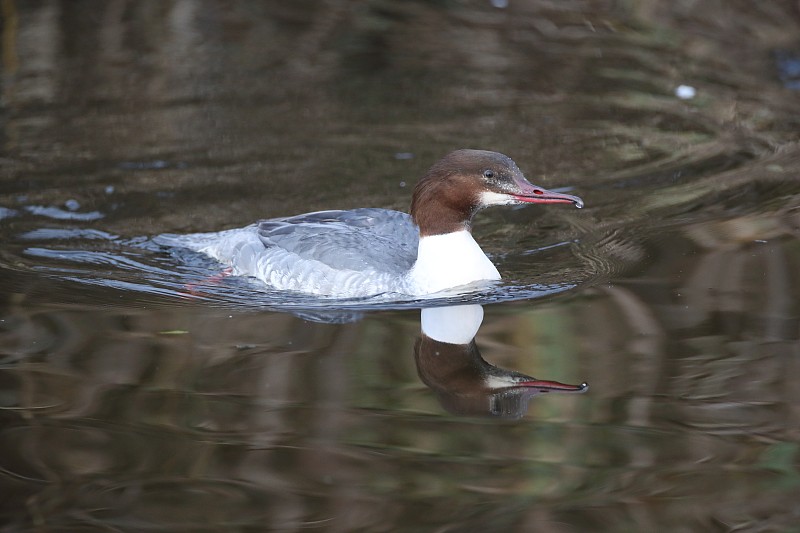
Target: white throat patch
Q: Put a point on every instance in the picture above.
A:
(496, 198)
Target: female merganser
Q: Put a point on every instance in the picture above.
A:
(369, 251)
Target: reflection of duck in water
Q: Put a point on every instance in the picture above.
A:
(449, 362)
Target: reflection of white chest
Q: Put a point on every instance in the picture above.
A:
(457, 324)
(449, 260)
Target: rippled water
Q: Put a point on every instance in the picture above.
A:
(140, 392)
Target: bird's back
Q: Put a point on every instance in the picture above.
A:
(380, 240)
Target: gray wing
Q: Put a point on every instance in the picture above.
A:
(359, 239)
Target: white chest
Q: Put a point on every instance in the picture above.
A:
(447, 261)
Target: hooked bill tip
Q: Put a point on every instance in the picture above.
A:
(579, 203)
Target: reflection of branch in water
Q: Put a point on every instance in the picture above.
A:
(449, 362)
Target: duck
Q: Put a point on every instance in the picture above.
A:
(373, 251)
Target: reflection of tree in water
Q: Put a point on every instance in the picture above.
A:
(703, 341)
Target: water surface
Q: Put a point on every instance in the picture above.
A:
(131, 401)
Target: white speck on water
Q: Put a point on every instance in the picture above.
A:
(685, 92)
(402, 184)
(760, 241)
(403, 155)
(499, 4)
(72, 204)
(109, 189)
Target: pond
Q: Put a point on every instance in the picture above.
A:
(142, 391)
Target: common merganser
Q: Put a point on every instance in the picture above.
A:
(450, 363)
(370, 251)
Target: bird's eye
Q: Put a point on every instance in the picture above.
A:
(489, 174)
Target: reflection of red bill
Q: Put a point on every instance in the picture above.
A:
(547, 386)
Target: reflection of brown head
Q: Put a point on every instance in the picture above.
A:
(466, 384)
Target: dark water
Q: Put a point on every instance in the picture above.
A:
(130, 403)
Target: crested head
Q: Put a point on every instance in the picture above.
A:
(464, 181)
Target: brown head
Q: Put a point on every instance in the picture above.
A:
(464, 181)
